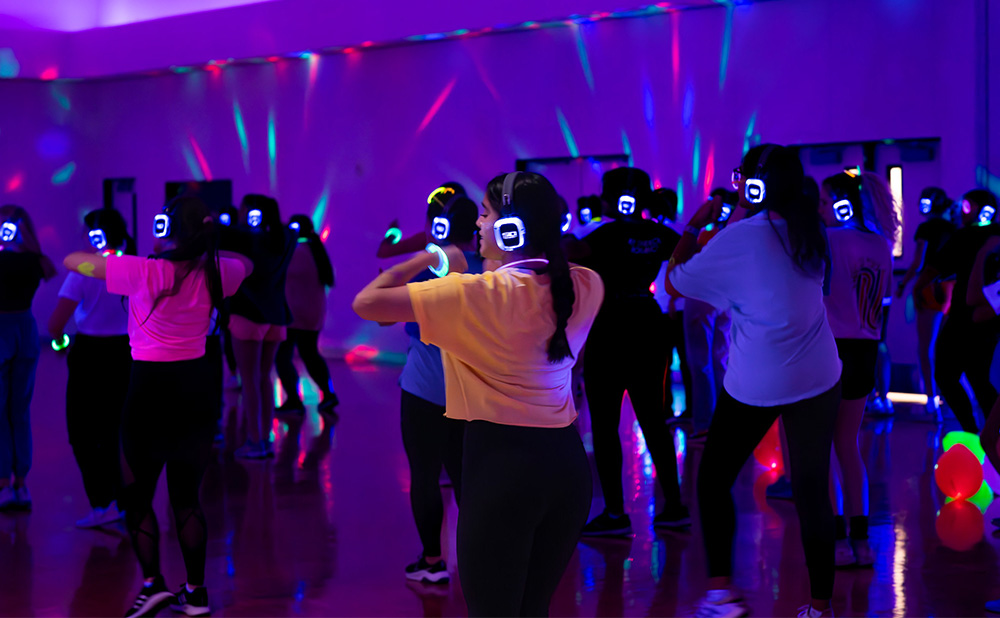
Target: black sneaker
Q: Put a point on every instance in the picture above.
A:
(329, 402)
(673, 519)
(291, 406)
(151, 599)
(608, 525)
(420, 571)
(194, 603)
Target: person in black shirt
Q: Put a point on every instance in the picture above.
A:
(931, 236)
(963, 346)
(625, 347)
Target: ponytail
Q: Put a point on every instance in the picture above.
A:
(563, 299)
(879, 208)
(322, 259)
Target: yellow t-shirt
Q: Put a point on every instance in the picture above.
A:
(493, 330)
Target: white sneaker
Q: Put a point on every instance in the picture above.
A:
(100, 517)
(843, 555)
(8, 499)
(863, 553)
(23, 497)
(721, 604)
(808, 611)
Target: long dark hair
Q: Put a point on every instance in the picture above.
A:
(29, 239)
(871, 196)
(195, 240)
(537, 204)
(785, 196)
(320, 256)
(270, 225)
(115, 229)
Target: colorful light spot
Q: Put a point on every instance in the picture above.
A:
(626, 145)
(581, 51)
(15, 182)
(360, 354)
(324, 234)
(9, 66)
(61, 100)
(241, 131)
(567, 134)
(647, 105)
(727, 39)
(436, 106)
(680, 197)
(49, 74)
(687, 111)
(272, 150)
(696, 162)
(200, 157)
(748, 134)
(64, 173)
(320, 211)
(710, 169)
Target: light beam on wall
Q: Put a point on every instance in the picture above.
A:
(696, 160)
(272, 150)
(436, 106)
(675, 51)
(687, 110)
(680, 197)
(192, 163)
(626, 146)
(9, 66)
(567, 134)
(648, 107)
(15, 181)
(710, 169)
(581, 51)
(748, 134)
(727, 38)
(64, 173)
(241, 131)
(200, 157)
(319, 213)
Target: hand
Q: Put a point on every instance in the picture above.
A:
(456, 259)
(707, 213)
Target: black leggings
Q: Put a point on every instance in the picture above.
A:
(526, 497)
(736, 430)
(965, 348)
(170, 420)
(99, 369)
(308, 343)
(625, 353)
(431, 441)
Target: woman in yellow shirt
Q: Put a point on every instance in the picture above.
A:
(508, 340)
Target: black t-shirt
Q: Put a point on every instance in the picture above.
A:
(935, 232)
(20, 274)
(958, 257)
(261, 298)
(628, 256)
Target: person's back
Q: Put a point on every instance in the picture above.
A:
(628, 255)
(957, 257)
(861, 273)
(261, 298)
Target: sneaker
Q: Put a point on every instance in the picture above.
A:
(674, 519)
(23, 498)
(101, 517)
(151, 599)
(330, 401)
(608, 525)
(780, 489)
(808, 611)
(721, 604)
(291, 405)
(843, 555)
(193, 603)
(8, 499)
(863, 553)
(698, 437)
(420, 571)
(266, 449)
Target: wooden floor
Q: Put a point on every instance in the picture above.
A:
(325, 529)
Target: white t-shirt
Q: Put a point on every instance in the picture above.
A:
(782, 349)
(98, 313)
(860, 275)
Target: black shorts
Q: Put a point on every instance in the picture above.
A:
(858, 357)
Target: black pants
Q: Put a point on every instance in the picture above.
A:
(431, 441)
(675, 341)
(307, 342)
(625, 353)
(966, 348)
(99, 369)
(736, 430)
(169, 421)
(526, 496)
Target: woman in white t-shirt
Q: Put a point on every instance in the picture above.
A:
(861, 225)
(100, 362)
(768, 271)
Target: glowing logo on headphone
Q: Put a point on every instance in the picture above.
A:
(843, 210)
(727, 211)
(98, 239)
(509, 233)
(966, 206)
(254, 217)
(161, 225)
(567, 221)
(586, 215)
(225, 219)
(755, 190)
(626, 205)
(440, 228)
(986, 214)
(8, 231)
(925, 205)
(294, 225)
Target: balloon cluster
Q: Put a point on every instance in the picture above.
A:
(968, 479)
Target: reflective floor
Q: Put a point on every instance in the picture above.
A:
(325, 529)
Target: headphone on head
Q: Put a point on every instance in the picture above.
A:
(925, 205)
(626, 204)
(509, 229)
(755, 189)
(9, 231)
(98, 239)
(441, 227)
(161, 222)
(986, 214)
(843, 207)
(567, 222)
(255, 217)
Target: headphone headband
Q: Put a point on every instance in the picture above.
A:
(509, 230)
(508, 189)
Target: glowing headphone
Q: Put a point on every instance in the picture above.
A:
(727, 211)
(8, 231)
(925, 205)
(986, 214)
(254, 217)
(161, 224)
(225, 219)
(567, 221)
(294, 225)
(843, 210)
(98, 238)
(586, 215)
(509, 230)
(441, 227)
(626, 204)
(755, 189)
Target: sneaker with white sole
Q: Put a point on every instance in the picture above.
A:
(191, 602)
(100, 517)
(422, 571)
(8, 499)
(721, 604)
(863, 553)
(151, 599)
(808, 611)
(843, 555)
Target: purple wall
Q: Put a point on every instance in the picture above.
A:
(358, 129)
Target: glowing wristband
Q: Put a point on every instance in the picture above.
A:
(60, 345)
(394, 234)
(443, 266)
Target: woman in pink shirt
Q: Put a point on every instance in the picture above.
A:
(171, 410)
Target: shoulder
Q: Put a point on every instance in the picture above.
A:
(584, 276)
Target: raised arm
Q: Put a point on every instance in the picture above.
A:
(87, 264)
(688, 247)
(386, 298)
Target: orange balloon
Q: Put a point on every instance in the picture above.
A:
(768, 452)
(959, 525)
(958, 473)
